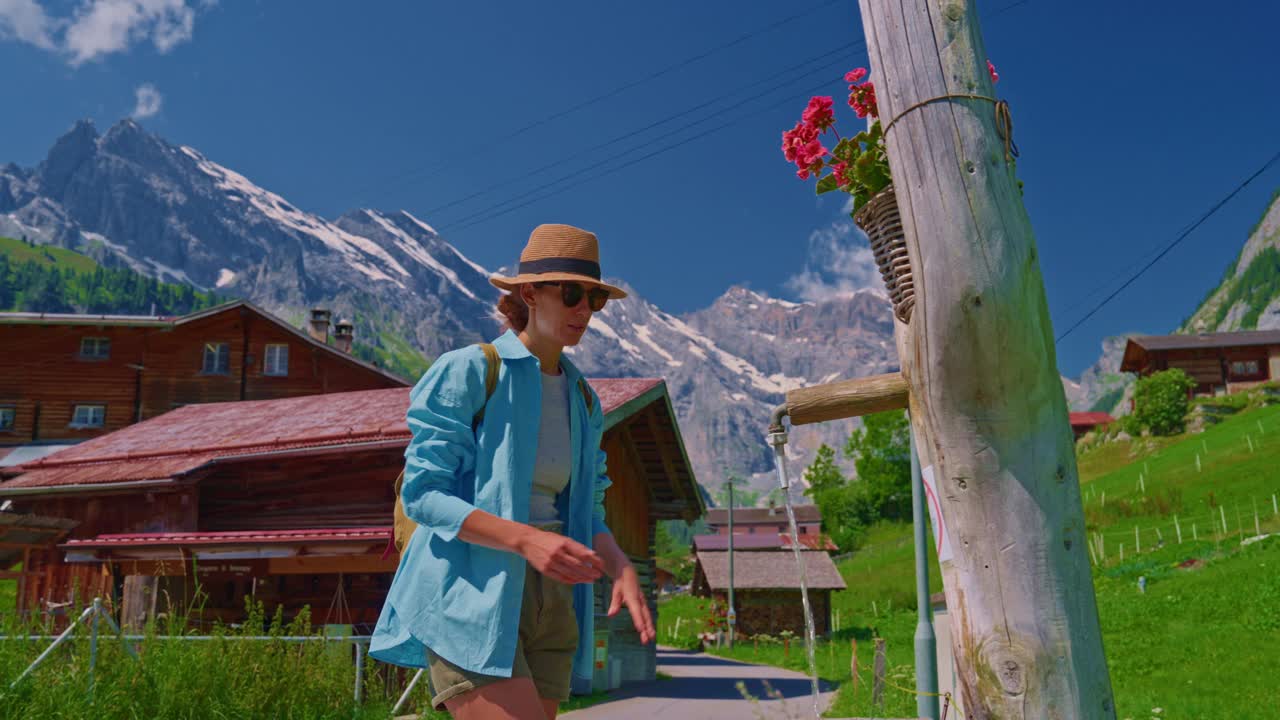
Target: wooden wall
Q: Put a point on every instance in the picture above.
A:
(43, 376)
(1211, 367)
(42, 373)
(772, 611)
(59, 581)
(346, 489)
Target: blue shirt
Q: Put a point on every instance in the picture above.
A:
(459, 599)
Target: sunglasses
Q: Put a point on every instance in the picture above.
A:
(571, 293)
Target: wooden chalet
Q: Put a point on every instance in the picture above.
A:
(766, 588)
(66, 378)
(770, 520)
(1219, 362)
(289, 502)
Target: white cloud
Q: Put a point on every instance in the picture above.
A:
(839, 263)
(26, 21)
(98, 28)
(102, 27)
(148, 101)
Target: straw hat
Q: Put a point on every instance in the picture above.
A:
(559, 252)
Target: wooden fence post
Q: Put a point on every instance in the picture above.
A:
(877, 687)
(986, 401)
(853, 663)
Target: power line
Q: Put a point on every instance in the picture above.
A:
(675, 116)
(1182, 236)
(419, 175)
(616, 156)
(474, 219)
(609, 171)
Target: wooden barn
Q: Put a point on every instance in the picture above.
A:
(66, 378)
(766, 588)
(289, 502)
(1219, 362)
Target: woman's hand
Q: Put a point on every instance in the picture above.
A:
(626, 591)
(561, 558)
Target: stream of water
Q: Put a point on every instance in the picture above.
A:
(778, 440)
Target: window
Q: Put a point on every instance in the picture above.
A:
(7, 414)
(1245, 369)
(95, 348)
(277, 361)
(217, 358)
(89, 416)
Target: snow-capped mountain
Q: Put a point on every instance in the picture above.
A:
(172, 213)
(168, 211)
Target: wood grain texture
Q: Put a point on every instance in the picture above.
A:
(847, 398)
(986, 401)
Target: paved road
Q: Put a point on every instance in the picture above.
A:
(702, 687)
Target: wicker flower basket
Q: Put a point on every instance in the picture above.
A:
(880, 220)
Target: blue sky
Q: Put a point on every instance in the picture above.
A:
(1131, 124)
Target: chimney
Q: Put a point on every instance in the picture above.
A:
(319, 327)
(342, 335)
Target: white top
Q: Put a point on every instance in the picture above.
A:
(555, 455)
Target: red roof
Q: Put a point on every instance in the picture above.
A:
(234, 537)
(180, 441)
(1090, 419)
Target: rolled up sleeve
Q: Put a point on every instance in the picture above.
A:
(441, 409)
(602, 481)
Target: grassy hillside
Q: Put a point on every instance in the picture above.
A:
(41, 278)
(1237, 302)
(1199, 643)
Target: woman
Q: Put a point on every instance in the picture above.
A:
(494, 589)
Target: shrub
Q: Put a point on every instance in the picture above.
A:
(1161, 401)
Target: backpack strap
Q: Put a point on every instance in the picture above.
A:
(492, 363)
(586, 393)
(402, 526)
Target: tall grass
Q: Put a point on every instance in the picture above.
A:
(219, 678)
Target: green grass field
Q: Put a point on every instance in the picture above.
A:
(20, 252)
(1199, 643)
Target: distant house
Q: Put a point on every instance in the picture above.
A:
(66, 378)
(1084, 422)
(766, 588)
(765, 521)
(754, 542)
(289, 502)
(1218, 362)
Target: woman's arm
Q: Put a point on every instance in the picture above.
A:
(626, 586)
(551, 554)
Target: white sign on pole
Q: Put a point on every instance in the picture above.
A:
(941, 538)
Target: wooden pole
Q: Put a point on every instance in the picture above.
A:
(847, 398)
(877, 684)
(986, 401)
(853, 663)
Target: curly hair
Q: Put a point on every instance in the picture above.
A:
(512, 307)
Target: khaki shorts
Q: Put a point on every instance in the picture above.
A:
(544, 649)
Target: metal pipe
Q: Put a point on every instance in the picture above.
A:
(59, 639)
(925, 640)
(359, 670)
(404, 696)
(93, 640)
(102, 487)
(775, 420)
(731, 617)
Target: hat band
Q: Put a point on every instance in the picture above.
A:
(577, 266)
